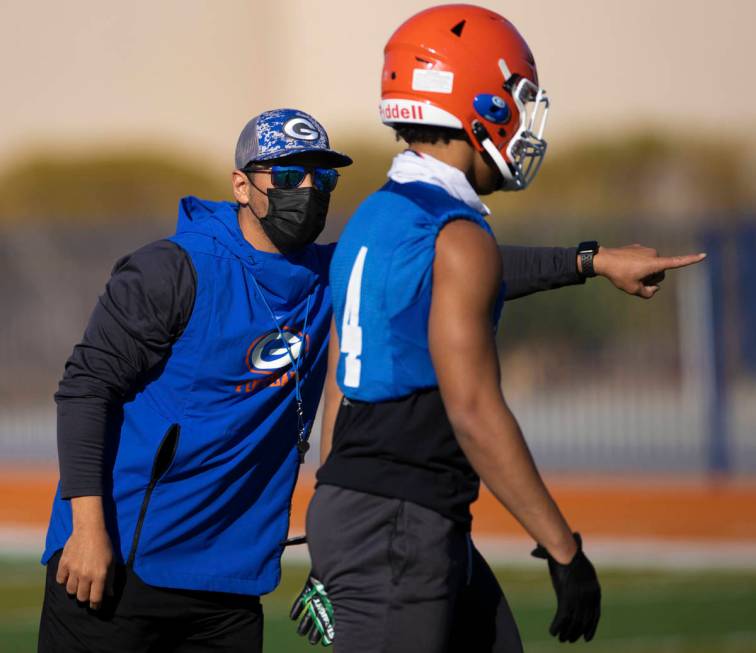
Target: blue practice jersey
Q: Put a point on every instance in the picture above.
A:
(381, 279)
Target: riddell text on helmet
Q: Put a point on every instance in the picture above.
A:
(395, 112)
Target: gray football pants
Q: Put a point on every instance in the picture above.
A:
(403, 578)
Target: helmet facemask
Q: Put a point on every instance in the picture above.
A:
(526, 149)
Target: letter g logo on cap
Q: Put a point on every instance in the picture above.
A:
(301, 129)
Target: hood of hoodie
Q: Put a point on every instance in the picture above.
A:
(286, 279)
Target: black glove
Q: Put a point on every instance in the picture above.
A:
(316, 610)
(578, 595)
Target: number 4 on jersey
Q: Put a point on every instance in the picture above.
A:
(351, 331)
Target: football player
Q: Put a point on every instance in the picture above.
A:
(414, 413)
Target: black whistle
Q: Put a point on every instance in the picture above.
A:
(303, 447)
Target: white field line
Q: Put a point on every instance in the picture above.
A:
(634, 552)
(620, 553)
(28, 541)
(22, 540)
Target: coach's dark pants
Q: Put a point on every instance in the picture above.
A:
(404, 579)
(141, 618)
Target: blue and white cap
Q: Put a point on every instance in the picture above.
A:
(284, 132)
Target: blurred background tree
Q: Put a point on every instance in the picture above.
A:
(680, 178)
(102, 186)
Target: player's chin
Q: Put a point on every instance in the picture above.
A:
(489, 185)
(488, 177)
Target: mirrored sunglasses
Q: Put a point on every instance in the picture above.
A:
(288, 177)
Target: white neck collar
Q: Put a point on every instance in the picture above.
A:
(413, 166)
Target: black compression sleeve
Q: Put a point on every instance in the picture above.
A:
(530, 269)
(145, 307)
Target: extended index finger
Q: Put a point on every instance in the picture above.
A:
(672, 262)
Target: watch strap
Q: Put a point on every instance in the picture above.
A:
(586, 250)
(586, 264)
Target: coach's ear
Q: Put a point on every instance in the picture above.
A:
(240, 185)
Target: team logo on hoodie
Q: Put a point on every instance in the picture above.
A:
(270, 358)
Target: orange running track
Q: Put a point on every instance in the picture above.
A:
(659, 508)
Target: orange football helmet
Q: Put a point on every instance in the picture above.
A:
(466, 67)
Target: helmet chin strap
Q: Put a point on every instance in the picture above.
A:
(481, 133)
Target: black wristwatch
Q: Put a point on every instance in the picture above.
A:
(586, 251)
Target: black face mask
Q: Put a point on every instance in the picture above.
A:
(295, 216)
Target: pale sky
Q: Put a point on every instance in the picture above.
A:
(189, 73)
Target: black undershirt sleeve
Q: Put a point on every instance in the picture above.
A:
(531, 269)
(144, 309)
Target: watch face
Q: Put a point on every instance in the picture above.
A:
(588, 246)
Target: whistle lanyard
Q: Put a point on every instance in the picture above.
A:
(302, 444)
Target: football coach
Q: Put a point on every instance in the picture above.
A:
(183, 413)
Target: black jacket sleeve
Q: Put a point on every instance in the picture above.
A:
(145, 307)
(530, 269)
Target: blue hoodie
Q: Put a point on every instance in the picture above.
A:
(211, 512)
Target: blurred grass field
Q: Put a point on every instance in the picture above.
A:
(644, 611)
